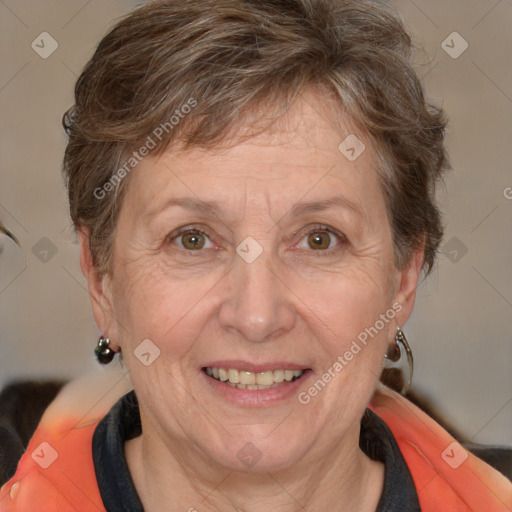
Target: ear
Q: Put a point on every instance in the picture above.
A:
(99, 291)
(407, 284)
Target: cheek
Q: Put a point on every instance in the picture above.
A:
(151, 304)
(350, 339)
(349, 308)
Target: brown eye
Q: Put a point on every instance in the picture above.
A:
(319, 240)
(193, 240)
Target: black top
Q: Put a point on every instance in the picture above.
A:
(122, 423)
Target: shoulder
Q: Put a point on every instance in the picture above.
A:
(445, 474)
(56, 473)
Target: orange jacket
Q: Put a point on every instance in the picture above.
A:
(56, 473)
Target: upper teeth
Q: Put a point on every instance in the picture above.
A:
(266, 378)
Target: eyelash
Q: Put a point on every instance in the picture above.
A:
(185, 230)
(315, 228)
(322, 227)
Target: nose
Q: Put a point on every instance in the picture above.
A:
(257, 305)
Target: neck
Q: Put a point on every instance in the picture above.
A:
(170, 472)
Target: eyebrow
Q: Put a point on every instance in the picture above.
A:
(187, 203)
(305, 208)
(300, 209)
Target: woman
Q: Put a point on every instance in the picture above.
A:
(253, 186)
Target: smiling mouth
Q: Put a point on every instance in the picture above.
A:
(253, 380)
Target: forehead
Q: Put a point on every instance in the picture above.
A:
(308, 154)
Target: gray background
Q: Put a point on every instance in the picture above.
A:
(461, 331)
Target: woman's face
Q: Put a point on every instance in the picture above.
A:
(274, 255)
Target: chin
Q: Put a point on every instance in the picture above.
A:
(259, 453)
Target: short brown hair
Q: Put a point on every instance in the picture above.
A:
(234, 57)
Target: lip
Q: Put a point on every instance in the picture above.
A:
(256, 368)
(257, 397)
